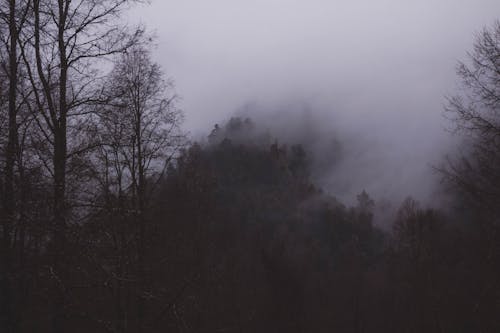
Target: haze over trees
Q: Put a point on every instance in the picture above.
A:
(112, 221)
(475, 112)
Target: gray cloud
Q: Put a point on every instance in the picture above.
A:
(375, 71)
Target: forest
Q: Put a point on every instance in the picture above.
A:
(114, 219)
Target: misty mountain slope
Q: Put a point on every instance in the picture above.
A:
(261, 218)
(333, 200)
(351, 153)
(269, 251)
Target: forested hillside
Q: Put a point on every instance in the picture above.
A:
(113, 219)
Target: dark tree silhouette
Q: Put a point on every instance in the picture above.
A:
(475, 113)
(67, 39)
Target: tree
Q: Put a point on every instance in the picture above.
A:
(148, 121)
(418, 243)
(63, 53)
(13, 16)
(139, 135)
(475, 113)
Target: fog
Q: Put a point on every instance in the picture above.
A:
(370, 74)
(306, 178)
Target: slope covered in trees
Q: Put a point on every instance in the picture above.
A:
(112, 222)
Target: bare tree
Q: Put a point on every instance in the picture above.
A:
(63, 54)
(475, 113)
(139, 135)
(144, 107)
(13, 16)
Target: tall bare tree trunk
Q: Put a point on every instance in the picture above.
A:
(141, 220)
(59, 160)
(59, 233)
(10, 156)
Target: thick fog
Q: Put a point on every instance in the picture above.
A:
(363, 81)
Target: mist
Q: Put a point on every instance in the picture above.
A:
(249, 166)
(372, 74)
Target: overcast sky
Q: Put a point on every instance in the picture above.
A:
(379, 67)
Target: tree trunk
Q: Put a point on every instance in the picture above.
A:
(60, 264)
(10, 156)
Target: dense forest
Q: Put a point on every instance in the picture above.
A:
(114, 220)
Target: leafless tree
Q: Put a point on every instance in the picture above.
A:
(13, 17)
(64, 52)
(417, 234)
(475, 113)
(148, 120)
(139, 135)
